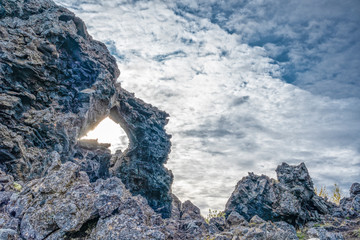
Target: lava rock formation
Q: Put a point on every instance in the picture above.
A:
(291, 198)
(57, 83)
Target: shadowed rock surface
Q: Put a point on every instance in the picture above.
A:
(65, 205)
(350, 206)
(141, 166)
(291, 198)
(56, 83)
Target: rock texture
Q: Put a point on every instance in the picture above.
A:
(65, 205)
(56, 83)
(350, 206)
(291, 198)
(141, 166)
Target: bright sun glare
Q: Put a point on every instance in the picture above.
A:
(109, 132)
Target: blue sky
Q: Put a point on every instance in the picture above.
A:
(247, 84)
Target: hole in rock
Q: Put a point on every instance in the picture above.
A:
(107, 131)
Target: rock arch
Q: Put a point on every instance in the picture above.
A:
(57, 83)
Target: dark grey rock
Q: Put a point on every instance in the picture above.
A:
(141, 167)
(322, 234)
(65, 205)
(262, 230)
(186, 222)
(47, 61)
(94, 158)
(190, 211)
(256, 220)
(9, 234)
(56, 83)
(135, 220)
(291, 198)
(224, 236)
(218, 223)
(350, 206)
(355, 189)
(295, 176)
(234, 219)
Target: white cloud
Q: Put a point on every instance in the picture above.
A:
(317, 40)
(230, 111)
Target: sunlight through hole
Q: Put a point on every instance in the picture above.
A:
(109, 132)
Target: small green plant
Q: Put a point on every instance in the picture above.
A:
(209, 238)
(300, 235)
(252, 224)
(17, 186)
(214, 214)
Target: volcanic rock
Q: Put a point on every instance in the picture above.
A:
(350, 206)
(141, 166)
(57, 83)
(291, 198)
(65, 205)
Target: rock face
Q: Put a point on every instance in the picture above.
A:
(56, 83)
(65, 205)
(350, 206)
(141, 166)
(291, 198)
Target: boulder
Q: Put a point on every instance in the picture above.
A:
(291, 198)
(322, 234)
(350, 206)
(66, 205)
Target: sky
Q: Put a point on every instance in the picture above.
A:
(248, 85)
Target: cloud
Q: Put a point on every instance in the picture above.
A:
(240, 100)
(168, 56)
(314, 41)
(248, 85)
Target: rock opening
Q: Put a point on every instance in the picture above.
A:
(107, 131)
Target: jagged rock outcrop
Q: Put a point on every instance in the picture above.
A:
(291, 198)
(56, 83)
(349, 206)
(141, 166)
(65, 205)
(186, 221)
(93, 157)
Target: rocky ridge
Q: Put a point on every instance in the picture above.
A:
(291, 198)
(56, 83)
